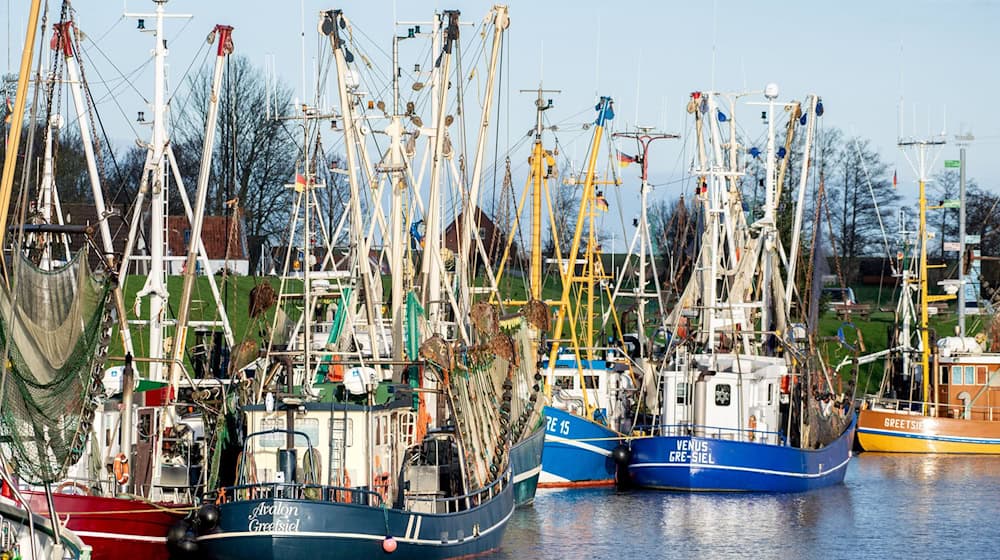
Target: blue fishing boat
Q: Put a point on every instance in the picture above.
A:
(712, 463)
(295, 520)
(577, 451)
(744, 401)
(526, 465)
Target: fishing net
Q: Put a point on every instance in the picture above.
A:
(494, 388)
(54, 327)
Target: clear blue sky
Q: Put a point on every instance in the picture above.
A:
(860, 56)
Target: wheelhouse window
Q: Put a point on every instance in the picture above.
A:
(956, 375)
(683, 393)
(308, 426)
(723, 394)
(980, 375)
(563, 381)
(970, 375)
(591, 381)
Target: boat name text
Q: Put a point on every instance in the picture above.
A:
(281, 518)
(691, 451)
(904, 424)
(554, 426)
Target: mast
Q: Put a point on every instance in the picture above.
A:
(225, 47)
(921, 147)
(771, 93)
(605, 112)
(800, 203)
(501, 21)
(643, 137)
(332, 21)
(64, 34)
(431, 265)
(17, 117)
(154, 185)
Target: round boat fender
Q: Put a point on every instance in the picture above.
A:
(208, 518)
(121, 468)
(621, 454)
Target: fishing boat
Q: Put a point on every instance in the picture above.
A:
(372, 435)
(744, 401)
(28, 535)
(140, 463)
(567, 460)
(933, 398)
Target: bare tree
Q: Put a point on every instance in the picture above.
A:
(855, 216)
(256, 154)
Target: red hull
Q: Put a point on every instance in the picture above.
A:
(116, 528)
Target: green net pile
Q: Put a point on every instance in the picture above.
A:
(54, 330)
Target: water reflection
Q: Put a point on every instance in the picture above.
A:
(889, 506)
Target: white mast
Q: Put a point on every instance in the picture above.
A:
(431, 265)
(154, 184)
(800, 203)
(469, 217)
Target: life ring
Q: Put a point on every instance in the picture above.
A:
(121, 468)
(752, 426)
(61, 489)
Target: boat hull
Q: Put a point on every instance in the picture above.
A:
(893, 432)
(306, 530)
(526, 464)
(689, 463)
(115, 528)
(577, 451)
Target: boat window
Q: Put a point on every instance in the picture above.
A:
(308, 426)
(944, 375)
(980, 375)
(956, 375)
(683, 393)
(723, 394)
(970, 375)
(591, 381)
(770, 393)
(564, 381)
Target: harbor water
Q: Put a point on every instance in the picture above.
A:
(890, 506)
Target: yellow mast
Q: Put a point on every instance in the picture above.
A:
(925, 297)
(604, 112)
(17, 118)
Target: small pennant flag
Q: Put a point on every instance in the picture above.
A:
(625, 159)
(895, 180)
(602, 203)
(300, 182)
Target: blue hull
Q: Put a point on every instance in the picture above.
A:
(298, 529)
(577, 451)
(526, 465)
(707, 464)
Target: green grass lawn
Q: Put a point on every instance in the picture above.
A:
(875, 330)
(235, 293)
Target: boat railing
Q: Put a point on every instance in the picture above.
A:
(930, 408)
(471, 499)
(359, 495)
(715, 432)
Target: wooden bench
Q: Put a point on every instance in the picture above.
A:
(847, 310)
